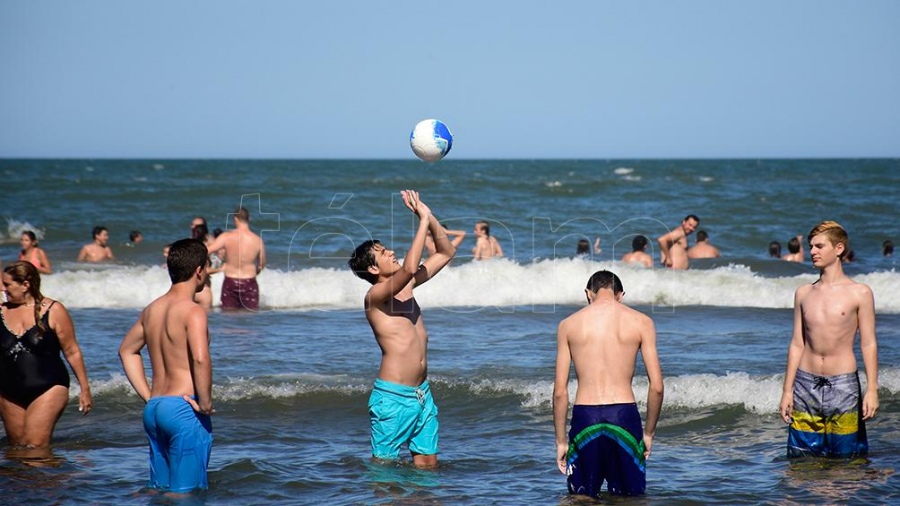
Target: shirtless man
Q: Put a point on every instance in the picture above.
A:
(822, 395)
(638, 254)
(401, 408)
(97, 251)
(673, 245)
(795, 250)
(702, 248)
(486, 246)
(179, 404)
(245, 258)
(605, 441)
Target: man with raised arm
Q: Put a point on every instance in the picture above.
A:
(673, 246)
(401, 408)
(605, 441)
(822, 399)
(179, 403)
(245, 258)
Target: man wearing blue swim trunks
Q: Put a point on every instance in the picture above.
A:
(606, 442)
(822, 399)
(401, 409)
(179, 404)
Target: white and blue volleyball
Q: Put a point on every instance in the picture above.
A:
(431, 140)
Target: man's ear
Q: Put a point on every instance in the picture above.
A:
(373, 269)
(589, 295)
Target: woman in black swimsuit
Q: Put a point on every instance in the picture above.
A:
(34, 382)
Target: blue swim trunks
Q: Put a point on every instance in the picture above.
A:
(400, 414)
(827, 418)
(606, 443)
(180, 444)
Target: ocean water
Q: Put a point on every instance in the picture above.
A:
(291, 382)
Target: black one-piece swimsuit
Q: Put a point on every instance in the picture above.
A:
(30, 364)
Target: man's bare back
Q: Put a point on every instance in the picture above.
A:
(604, 339)
(174, 330)
(638, 257)
(245, 255)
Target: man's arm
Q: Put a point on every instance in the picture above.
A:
(381, 292)
(561, 396)
(795, 352)
(82, 255)
(132, 362)
(109, 253)
(200, 361)
(869, 349)
(444, 251)
(262, 256)
(656, 388)
(665, 242)
(218, 243)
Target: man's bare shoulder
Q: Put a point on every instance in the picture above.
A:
(636, 315)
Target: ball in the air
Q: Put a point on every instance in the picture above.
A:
(431, 140)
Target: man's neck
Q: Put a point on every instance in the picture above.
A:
(185, 289)
(832, 274)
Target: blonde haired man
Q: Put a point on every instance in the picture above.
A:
(822, 399)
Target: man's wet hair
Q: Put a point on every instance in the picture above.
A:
(185, 256)
(691, 217)
(794, 245)
(97, 231)
(363, 258)
(702, 236)
(639, 243)
(605, 279)
(775, 249)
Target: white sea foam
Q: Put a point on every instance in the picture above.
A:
(757, 394)
(497, 283)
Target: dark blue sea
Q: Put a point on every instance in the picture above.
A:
(291, 381)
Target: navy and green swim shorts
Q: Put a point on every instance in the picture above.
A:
(606, 443)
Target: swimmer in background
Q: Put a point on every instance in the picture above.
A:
(638, 254)
(795, 250)
(135, 237)
(33, 254)
(702, 248)
(673, 245)
(775, 249)
(486, 246)
(245, 258)
(583, 248)
(887, 248)
(97, 251)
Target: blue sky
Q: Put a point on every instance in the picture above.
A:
(523, 79)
